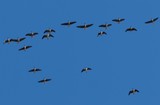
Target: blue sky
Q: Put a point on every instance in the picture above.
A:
(120, 60)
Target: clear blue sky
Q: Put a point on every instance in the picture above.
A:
(120, 60)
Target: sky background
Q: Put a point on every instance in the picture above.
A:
(120, 60)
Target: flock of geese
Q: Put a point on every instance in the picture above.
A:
(48, 35)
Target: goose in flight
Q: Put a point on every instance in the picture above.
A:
(68, 23)
(133, 91)
(85, 69)
(101, 33)
(32, 34)
(105, 25)
(151, 21)
(131, 29)
(85, 26)
(49, 30)
(34, 70)
(118, 20)
(44, 80)
(8, 41)
(25, 48)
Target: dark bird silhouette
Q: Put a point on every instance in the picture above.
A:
(34, 70)
(85, 69)
(133, 91)
(105, 25)
(119, 20)
(101, 33)
(25, 48)
(32, 34)
(49, 30)
(85, 26)
(131, 29)
(47, 36)
(19, 39)
(68, 23)
(152, 20)
(8, 41)
(44, 80)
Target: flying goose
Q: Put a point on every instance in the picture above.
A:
(85, 26)
(133, 91)
(85, 69)
(131, 29)
(49, 30)
(118, 20)
(68, 23)
(32, 34)
(105, 25)
(152, 20)
(101, 33)
(25, 48)
(34, 70)
(44, 80)
(8, 41)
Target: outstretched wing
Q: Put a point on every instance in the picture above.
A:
(130, 92)
(51, 35)
(48, 80)
(136, 90)
(21, 49)
(28, 47)
(44, 36)
(155, 19)
(21, 39)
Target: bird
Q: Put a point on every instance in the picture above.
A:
(19, 39)
(25, 48)
(86, 69)
(32, 34)
(131, 29)
(152, 20)
(101, 33)
(68, 23)
(44, 80)
(34, 70)
(85, 26)
(49, 30)
(133, 91)
(105, 25)
(47, 36)
(118, 20)
(8, 41)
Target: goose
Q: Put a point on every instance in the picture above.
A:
(85, 26)
(68, 23)
(25, 48)
(133, 91)
(85, 69)
(44, 80)
(34, 70)
(101, 33)
(8, 41)
(131, 29)
(49, 30)
(32, 34)
(151, 21)
(118, 20)
(105, 25)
